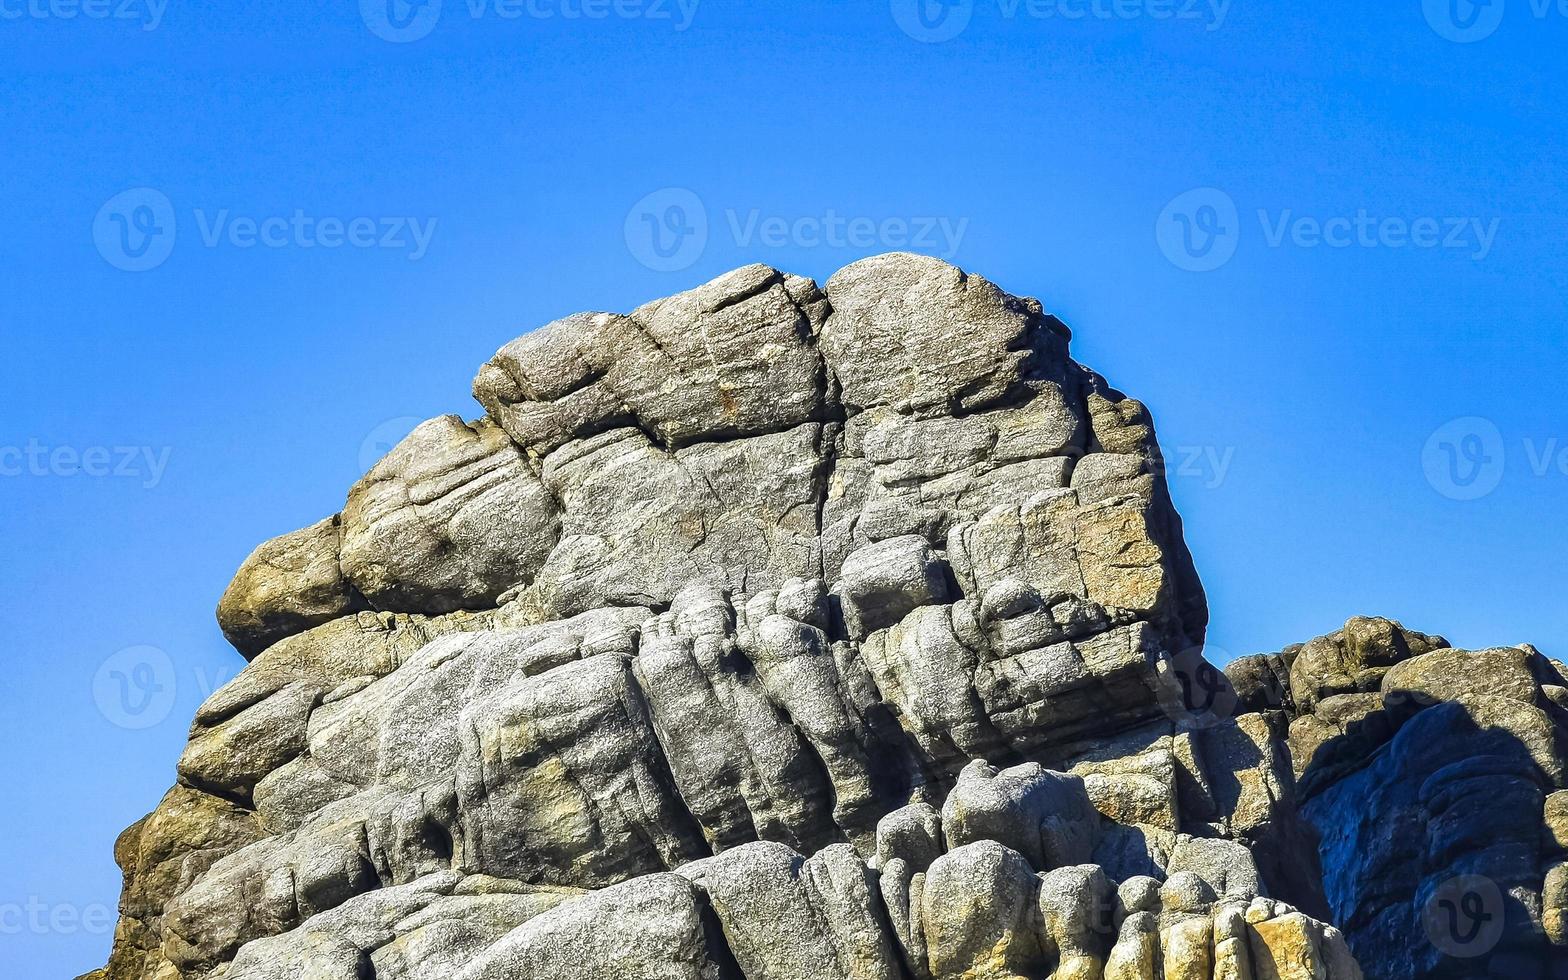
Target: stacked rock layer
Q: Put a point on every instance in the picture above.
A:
(777, 632)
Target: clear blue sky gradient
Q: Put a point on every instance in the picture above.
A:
(1305, 391)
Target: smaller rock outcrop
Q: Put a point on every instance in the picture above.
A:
(1428, 775)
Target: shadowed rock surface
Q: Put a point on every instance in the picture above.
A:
(782, 632)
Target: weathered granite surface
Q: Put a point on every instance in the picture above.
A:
(784, 632)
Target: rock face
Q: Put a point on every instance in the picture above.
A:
(774, 631)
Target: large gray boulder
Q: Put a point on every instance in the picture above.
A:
(777, 632)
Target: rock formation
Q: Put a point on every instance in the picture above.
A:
(777, 632)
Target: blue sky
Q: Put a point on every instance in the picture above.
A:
(247, 244)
